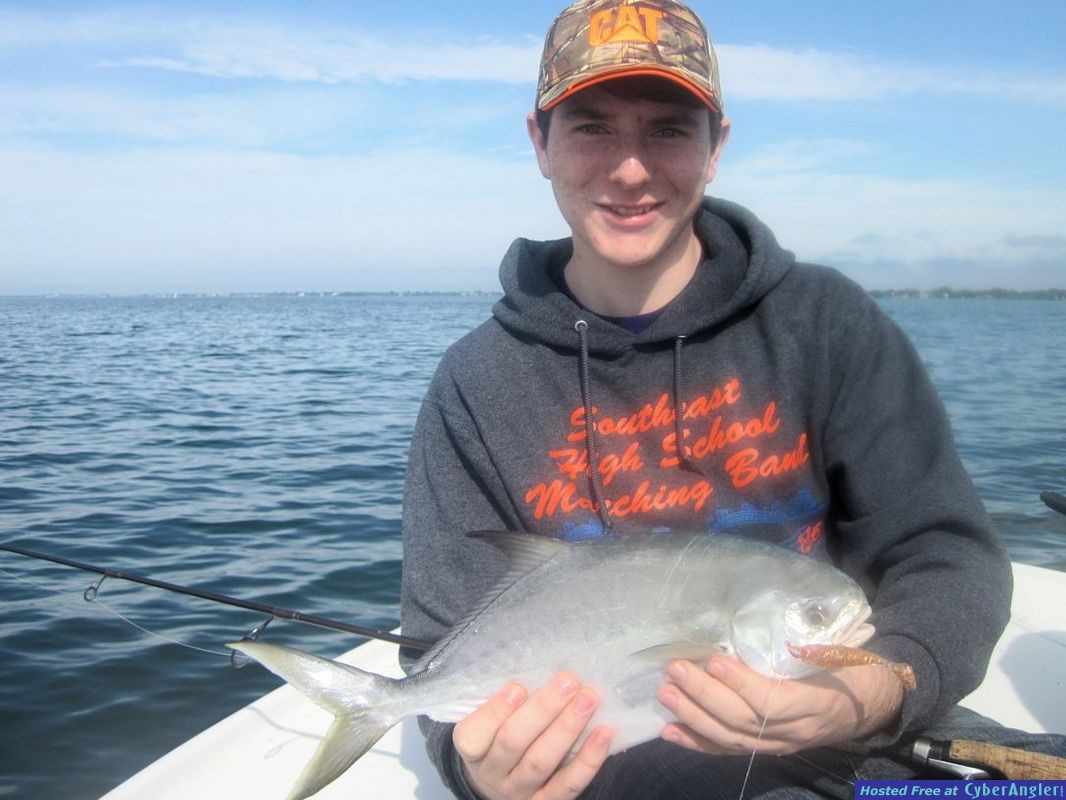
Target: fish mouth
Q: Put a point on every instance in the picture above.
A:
(859, 632)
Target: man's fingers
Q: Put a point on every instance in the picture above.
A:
(715, 718)
(514, 744)
(684, 736)
(723, 738)
(693, 694)
(496, 737)
(720, 710)
(534, 716)
(725, 743)
(574, 778)
(544, 756)
(474, 735)
(754, 689)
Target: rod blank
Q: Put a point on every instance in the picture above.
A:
(214, 597)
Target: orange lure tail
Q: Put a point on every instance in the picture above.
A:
(833, 655)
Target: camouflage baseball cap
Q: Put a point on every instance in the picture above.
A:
(592, 41)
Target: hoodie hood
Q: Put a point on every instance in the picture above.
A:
(742, 262)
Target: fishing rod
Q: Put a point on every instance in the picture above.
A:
(968, 760)
(275, 612)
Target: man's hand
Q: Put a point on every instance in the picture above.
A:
(721, 709)
(513, 745)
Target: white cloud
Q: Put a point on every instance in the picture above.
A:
(263, 50)
(254, 117)
(174, 220)
(793, 156)
(761, 72)
(750, 72)
(266, 52)
(402, 213)
(239, 221)
(221, 46)
(889, 231)
(22, 30)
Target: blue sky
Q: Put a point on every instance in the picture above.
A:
(228, 147)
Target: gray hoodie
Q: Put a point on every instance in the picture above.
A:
(806, 418)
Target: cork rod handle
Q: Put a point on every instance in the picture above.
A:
(1019, 765)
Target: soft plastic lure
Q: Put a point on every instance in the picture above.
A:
(837, 655)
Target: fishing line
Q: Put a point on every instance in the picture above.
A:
(96, 601)
(762, 729)
(797, 756)
(160, 636)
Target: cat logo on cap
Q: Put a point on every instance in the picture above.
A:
(625, 24)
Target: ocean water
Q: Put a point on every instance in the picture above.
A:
(255, 446)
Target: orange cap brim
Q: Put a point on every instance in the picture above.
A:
(627, 72)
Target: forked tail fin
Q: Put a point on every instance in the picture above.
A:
(350, 694)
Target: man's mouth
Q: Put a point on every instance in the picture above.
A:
(627, 211)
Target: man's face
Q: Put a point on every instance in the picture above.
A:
(628, 174)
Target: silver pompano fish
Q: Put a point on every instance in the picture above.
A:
(614, 612)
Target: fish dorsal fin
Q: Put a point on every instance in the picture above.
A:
(525, 552)
(693, 651)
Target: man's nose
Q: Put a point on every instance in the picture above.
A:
(631, 168)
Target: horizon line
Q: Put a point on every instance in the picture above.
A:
(1049, 292)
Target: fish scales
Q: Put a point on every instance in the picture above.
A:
(596, 593)
(613, 612)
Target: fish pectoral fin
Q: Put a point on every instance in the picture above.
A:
(645, 676)
(693, 651)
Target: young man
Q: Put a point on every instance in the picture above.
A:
(669, 366)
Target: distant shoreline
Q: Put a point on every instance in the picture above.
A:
(972, 294)
(165, 295)
(912, 294)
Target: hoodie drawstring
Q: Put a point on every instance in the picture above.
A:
(581, 326)
(595, 484)
(683, 458)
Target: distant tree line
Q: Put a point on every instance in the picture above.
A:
(974, 294)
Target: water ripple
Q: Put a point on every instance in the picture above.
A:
(255, 446)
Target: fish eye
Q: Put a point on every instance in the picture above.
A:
(814, 614)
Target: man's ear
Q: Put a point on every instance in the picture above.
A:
(540, 146)
(723, 137)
